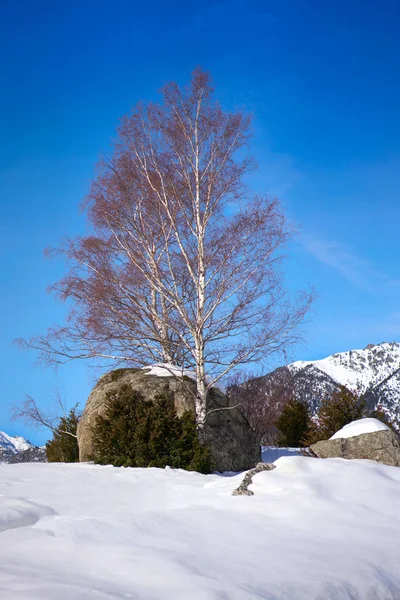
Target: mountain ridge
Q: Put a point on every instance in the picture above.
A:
(12, 445)
(373, 372)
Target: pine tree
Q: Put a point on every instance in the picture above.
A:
(63, 447)
(293, 424)
(336, 411)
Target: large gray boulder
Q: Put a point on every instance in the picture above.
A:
(233, 444)
(382, 446)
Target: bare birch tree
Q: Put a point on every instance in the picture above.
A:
(261, 399)
(183, 265)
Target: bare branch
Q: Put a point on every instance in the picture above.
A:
(29, 412)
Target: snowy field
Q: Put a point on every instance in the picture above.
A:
(315, 529)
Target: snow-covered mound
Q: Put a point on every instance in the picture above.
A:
(315, 529)
(168, 370)
(11, 445)
(359, 427)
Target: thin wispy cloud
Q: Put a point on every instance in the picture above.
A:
(352, 267)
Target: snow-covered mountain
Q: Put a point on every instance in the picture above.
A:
(9, 446)
(358, 369)
(373, 371)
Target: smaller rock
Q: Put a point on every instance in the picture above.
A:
(381, 446)
(243, 490)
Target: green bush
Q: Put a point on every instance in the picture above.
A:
(64, 447)
(336, 411)
(135, 433)
(293, 424)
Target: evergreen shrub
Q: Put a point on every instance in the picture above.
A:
(134, 432)
(293, 424)
(336, 411)
(64, 447)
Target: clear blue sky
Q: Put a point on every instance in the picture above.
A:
(323, 81)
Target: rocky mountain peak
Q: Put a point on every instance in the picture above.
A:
(373, 371)
(12, 445)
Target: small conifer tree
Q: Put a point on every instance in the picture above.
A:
(63, 447)
(133, 432)
(336, 411)
(293, 424)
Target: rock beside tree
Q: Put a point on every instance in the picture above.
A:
(381, 446)
(233, 444)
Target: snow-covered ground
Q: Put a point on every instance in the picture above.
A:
(315, 529)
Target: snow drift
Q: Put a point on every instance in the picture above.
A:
(315, 529)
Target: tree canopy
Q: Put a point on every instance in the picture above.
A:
(183, 262)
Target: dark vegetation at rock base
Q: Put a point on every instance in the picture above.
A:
(133, 432)
(63, 447)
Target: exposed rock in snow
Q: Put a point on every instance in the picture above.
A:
(243, 488)
(382, 446)
(359, 427)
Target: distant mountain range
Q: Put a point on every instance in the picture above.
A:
(373, 372)
(18, 449)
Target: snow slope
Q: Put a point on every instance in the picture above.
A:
(314, 530)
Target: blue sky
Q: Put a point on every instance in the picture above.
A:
(323, 81)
